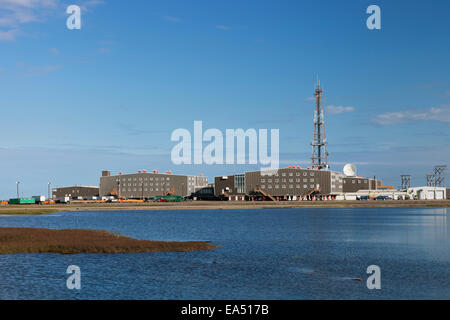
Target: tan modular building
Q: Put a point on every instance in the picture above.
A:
(75, 192)
(281, 183)
(354, 184)
(144, 185)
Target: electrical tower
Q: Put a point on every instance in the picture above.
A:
(439, 176)
(319, 143)
(406, 181)
(430, 180)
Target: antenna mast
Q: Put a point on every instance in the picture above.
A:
(319, 155)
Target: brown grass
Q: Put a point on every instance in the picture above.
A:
(30, 240)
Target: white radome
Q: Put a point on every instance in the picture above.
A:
(350, 170)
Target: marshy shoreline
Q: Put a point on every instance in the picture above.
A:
(76, 241)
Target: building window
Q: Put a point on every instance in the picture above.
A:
(312, 186)
(263, 186)
(283, 186)
(284, 174)
(353, 181)
(263, 180)
(312, 174)
(291, 186)
(297, 186)
(297, 174)
(305, 186)
(290, 174)
(277, 186)
(311, 180)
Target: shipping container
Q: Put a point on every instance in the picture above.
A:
(22, 201)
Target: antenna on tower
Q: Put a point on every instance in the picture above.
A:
(319, 159)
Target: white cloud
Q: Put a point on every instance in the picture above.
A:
(222, 27)
(18, 12)
(9, 35)
(441, 114)
(338, 109)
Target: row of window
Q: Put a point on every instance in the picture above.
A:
(146, 184)
(147, 189)
(354, 181)
(290, 180)
(291, 174)
(291, 186)
(145, 179)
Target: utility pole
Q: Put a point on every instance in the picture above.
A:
(17, 185)
(319, 155)
(48, 191)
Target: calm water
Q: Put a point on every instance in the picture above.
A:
(265, 254)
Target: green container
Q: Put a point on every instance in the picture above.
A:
(170, 198)
(22, 201)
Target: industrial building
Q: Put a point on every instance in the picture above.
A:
(75, 192)
(144, 185)
(292, 183)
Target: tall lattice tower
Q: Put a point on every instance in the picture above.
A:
(406, 181)
(319, 144)
(439, 176)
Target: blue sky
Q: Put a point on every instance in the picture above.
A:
(108, 96)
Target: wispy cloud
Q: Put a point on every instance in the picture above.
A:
(17, 12)
(338, 109)
(132, 130)
(89, 4)
(104, 50)
(34, 71)
(9, 35)
(309, 99)
(432, 85)
(441, 114)
(172, 19)
(222, 27)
